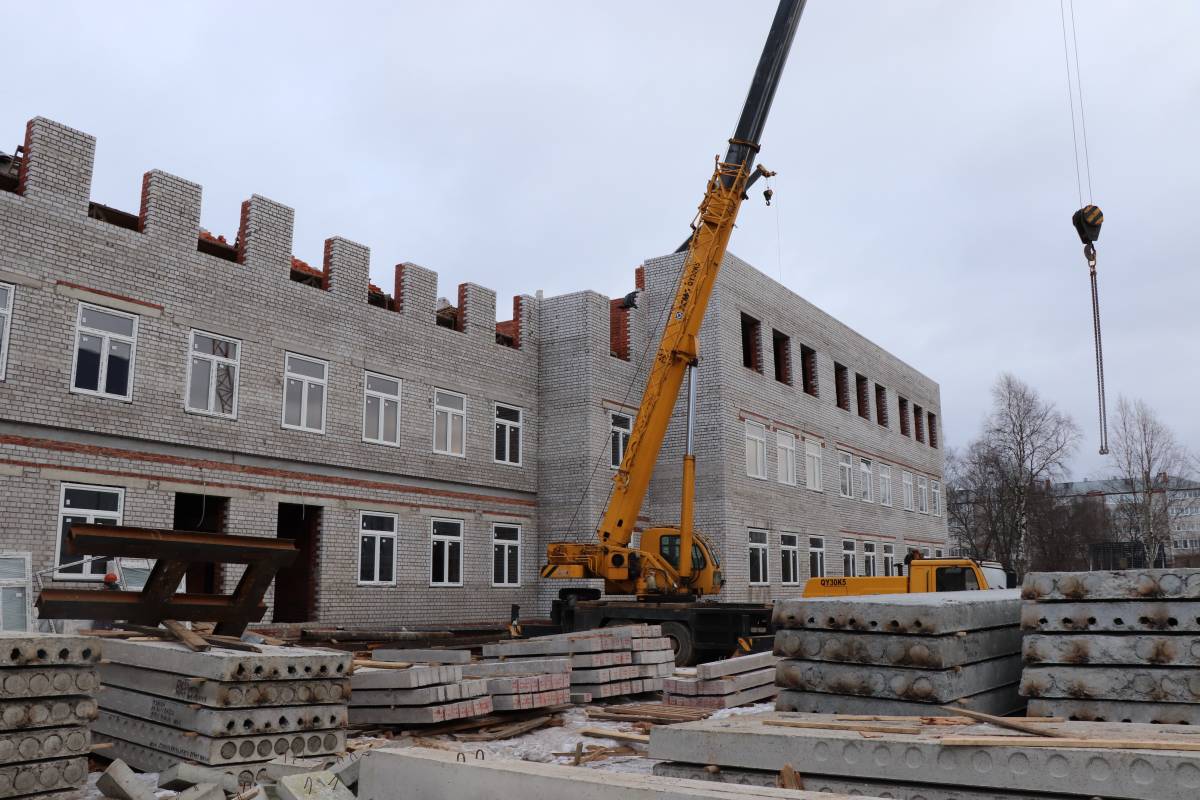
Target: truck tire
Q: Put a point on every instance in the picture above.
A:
(681, 641)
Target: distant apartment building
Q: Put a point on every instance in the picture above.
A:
(1179, 505)
(420, 453)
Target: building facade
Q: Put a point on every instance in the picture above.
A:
(421, 454)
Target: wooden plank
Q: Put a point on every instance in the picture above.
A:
(189, 638)
(845, 726)
(788, 778)
(1011, 724)
(504, 731)
(619, 736)
(1073, 744)
(370, 662)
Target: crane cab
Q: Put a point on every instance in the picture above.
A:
(706, 575)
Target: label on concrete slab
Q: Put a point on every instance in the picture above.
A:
(925, 613)
(728, 684)
(511, 667)
(1145, 685)
(1117, 711)
(38, 745)
(732, 666)
(517, 702)
(929, 652)
(223, 664)
(146, 759)
(225, 694)
(47, 712)
(614, 689)
(222, 722)
(899, 683)
(50, 649)
(47, 681)
(1121, 616)
(1130, 584)
(1165, 650)
(419, 656)
(654, 656)
(42, 776)
(411, 678)
(999, 702)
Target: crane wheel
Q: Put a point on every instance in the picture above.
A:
(682, 642)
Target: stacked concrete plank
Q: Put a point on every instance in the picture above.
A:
(724, 684)
(229, 709)
(422, 694)
(608, 662)
(899, 654)
(936, 762)
(47, 683)
(1118, 646)
(521, 685)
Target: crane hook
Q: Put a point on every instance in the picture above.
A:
(1087, 222)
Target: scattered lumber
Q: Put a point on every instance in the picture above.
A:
(506, 731)
(1011, 724)
(619, 736)
(844, 726)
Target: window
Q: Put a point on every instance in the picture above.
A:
(449, 422)
(869, 565)
(16, 591)
(849, 569)
(376, 549)
(789, 567)
(751, 346)
(212, 378)
(908, 491)
(841, 381)
(758, 558)
(881, 405)
(619, 427)
(864, 398)
(105, 342)
(955, 579)
(935, 491)
(933, 434)
(80, 504)
(905, 428)
(864, 480)
(668, 548)
(381, 409)
(506, 555)
(304, 393)
(922, 494)
(445, 565)
(918, 423)
(508, 434)
(808, 370)
(889, 559)
(785, 454)
(937, 553)
(812, 465)
(756, 450)
(885, 485)
(845, 474)
(6, 304)
(816, 557)
(781, 352)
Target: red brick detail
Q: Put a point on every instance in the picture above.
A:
(461, 317)
(398, 288)
(639, 278)
(243, 223)
(113, 295)
(618, 329)
(326, 265)
(143, 209)
(23, 172)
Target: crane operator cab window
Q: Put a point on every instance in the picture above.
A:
(668, 548)
(956, 579)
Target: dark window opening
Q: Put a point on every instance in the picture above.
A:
(751, 344)
(864, 399)
(881, 405)
(933, 435)
(447, 316)
(296, 585)
(122, 219)
(808, 368)
(208, 514)
(781, 351)
(919, 422)
(905, 428)
(841, 381)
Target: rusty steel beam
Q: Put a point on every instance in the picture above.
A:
(190, 546)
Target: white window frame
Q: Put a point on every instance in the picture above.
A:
(89, 568)
(866, 481)
(850, 556)
(922, 494)
(817, 550)
(845, 474)
(935, 498)
(23, 582)
(756, 450)
(378, 536)
(382, 397)
(885, 485)
(870, 560)
(213, 362)
(508, 426)
(447, 539)
(813, 467)
(450, 413)
(618, 434)
(889, 559)
(908, 491)
(305, 382)
(105, 338)
(785, 457)
(507, 544)
(6, 312)
(759, 551)
(789, 558)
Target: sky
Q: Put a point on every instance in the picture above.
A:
(924, 150)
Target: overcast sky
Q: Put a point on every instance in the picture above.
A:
(924, 152)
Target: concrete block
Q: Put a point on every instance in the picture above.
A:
(183, 774)
(1165, 616)
(47, 681)
(42, 776)
(614, 689)
(147, 759)
(314, 786)
(420, 715)
(580, 698)
(658, 643)
(1145, 685)
(610, 659)
(745, 742)
(929, 652)
(1130, 584)
(1099, 649)
(202, 791)
(925, 613)
(414, 678)
(899, 683)
(732, 666)
(1116, 711)
(533, 666)
(555, 645)
(419, 656)
(728, 684)
(225, 694)
(222, 664)
(38, 745)
(757, 694)
(212, 751)
(47, 649)
(222, 722)
(347, 768)
(654, 657)
(427, 774)
(47, 712)
(426, 695)
(517, 702)
(1001, 702)
(604, 675)
(120, 782)
(280, 767)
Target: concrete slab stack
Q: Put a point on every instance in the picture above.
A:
(47, 682)
(422, 694)
(1120, 646)
(524, 684)
(899, 654)
(724, 684)
(229, 709)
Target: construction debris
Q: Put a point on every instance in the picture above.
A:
(724, 684)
